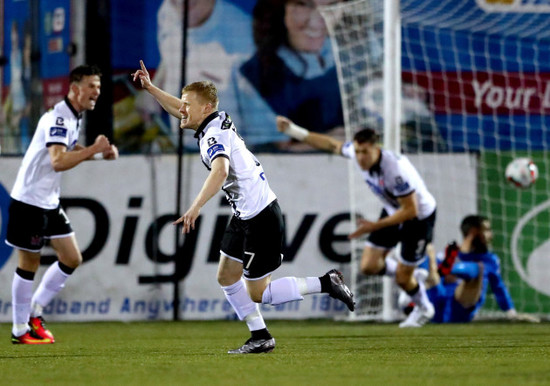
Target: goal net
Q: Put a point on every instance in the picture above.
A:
(475, 94)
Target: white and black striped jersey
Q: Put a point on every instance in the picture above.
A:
(37, 183)
(246, 187)
(394, 176)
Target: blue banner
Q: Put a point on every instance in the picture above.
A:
(54, 38)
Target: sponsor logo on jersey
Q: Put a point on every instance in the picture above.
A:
(400, 185)
(58, 132)
(59, 121)
(215, 149)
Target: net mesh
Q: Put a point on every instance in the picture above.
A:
(475, 95)
(356, 29)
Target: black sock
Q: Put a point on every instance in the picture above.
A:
(325, 283)
(413, 292)
(27, 275)
(261, 334)
(66, 269)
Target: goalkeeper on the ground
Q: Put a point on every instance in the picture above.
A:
(457, 286)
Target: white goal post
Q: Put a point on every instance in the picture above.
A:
(366, 47)
(462, 88)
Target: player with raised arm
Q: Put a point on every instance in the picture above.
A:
(408, 214)
(35, 214)
(252, 243)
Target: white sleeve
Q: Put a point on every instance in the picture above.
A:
(217, 144)
(397, 181)
(55, 130)
(348, 150)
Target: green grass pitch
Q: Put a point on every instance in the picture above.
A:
(318, 352)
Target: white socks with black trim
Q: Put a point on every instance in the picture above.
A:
(284, 290)
(421, 297)
(288, 289)
(244, 307)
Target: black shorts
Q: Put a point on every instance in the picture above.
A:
(257, 242)
(413, 234)
(29, 226)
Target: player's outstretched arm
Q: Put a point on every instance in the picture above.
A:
(515, 316)
(168, 102)
(408, 210)
(502, 294)
(319, 141)
(212, 185)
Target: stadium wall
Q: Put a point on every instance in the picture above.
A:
(111, 208)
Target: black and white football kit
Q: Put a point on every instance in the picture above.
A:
(394, 176)
(34, 212)
(255, 233)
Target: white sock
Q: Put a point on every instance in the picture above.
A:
(312, 285)
(255, 321)
(244, 307)
(21, 293)
(36, 310)
(421, 297)
(288, 289)
(391, 267)
(52, 282)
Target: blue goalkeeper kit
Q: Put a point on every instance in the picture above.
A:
(448, 310)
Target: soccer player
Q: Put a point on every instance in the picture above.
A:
(213, 46)
(252, 243)
(458, 285)
(408, 215)
(35, 214)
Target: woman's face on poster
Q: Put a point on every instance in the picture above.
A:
(306, 28)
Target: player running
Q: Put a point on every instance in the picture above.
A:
(35, 214)
(252, 243)
(408, 215)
